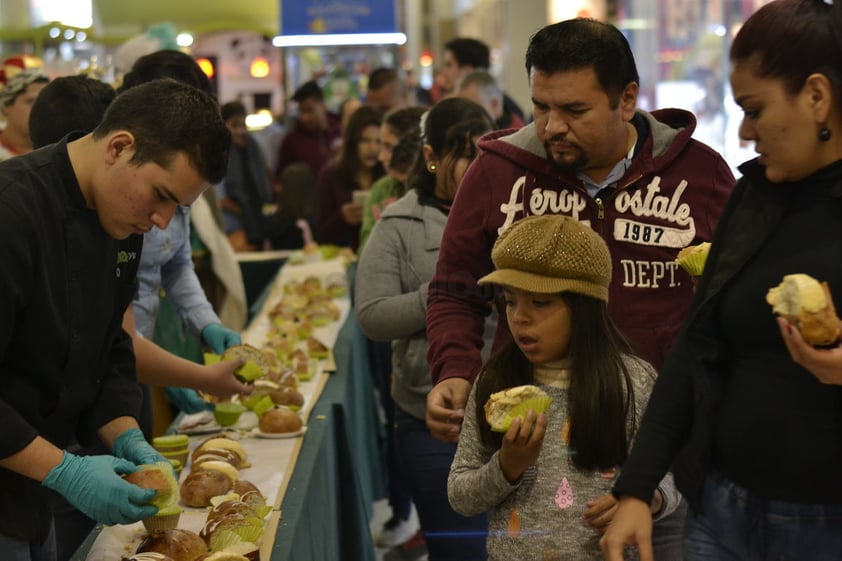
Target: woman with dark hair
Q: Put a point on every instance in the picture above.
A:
(397, 124)
(391, 297)
(745, 411)
(356, 168)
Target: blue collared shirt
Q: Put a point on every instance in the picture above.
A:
(167, 262)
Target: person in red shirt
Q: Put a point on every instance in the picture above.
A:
(315, 134)
(356, 168)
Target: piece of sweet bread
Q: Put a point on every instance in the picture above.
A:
(807, 304)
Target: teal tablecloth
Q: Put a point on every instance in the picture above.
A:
(340, 468)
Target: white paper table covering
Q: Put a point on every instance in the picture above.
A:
(273, 460)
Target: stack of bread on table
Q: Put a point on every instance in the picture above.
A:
(303, 306)
(236, 508)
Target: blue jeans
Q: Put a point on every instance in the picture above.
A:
(668, 535)
(380, 361)
(736, 525)
(12, 549)
(425, 462)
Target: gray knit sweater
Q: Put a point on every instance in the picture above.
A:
(548, 502)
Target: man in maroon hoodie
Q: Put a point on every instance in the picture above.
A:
(637, 178)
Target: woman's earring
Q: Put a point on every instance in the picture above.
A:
(824, 134)
(432, 167)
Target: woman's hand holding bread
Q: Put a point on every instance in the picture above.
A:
(806, 319)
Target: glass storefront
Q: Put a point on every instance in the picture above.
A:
(681, 48)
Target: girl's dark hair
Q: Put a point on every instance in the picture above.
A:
(449, 128)
(404, 120)
(348, 162)
(791, 39)
(581, 43)
(406, 151)
(600, 398)
(405, 123)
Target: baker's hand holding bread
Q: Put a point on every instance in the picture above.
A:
(94, 486)
(809, 325)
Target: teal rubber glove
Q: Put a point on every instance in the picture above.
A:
(94, 486)
(220, 338)
(132, 446)
(187, 400)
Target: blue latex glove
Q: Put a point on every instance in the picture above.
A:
(187, 400)
(94, 486)
(220, 338)
(132, 446)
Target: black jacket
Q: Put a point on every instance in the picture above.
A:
(677, 428)
(66, 366)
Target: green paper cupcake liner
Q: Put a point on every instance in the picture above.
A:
(211, 358)
(249, 372)
(537, 404)
(164, 500)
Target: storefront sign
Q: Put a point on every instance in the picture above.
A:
(332, 17)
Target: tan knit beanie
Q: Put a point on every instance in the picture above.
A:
(551, 253)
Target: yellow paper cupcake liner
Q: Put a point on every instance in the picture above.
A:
(537, 404)
(166, 519)
(694, 263)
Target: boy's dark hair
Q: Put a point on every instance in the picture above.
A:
(449, 129)
(68, 104)
(167, 63)
(308, 90)
(771, 34)
(167, 117)
(233, 109)
(601, 395)
(469, 51)
(581, 43)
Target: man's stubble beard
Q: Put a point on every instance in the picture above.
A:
(575, 166)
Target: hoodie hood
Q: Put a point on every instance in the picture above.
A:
(669, 132)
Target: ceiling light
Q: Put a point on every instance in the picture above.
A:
(339, 39)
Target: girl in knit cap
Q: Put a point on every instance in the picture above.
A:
(546, 480)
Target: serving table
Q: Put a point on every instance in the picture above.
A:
(322, 484)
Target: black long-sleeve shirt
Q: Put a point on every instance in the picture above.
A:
(729, 396)
(779, 428)
(66, 365)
